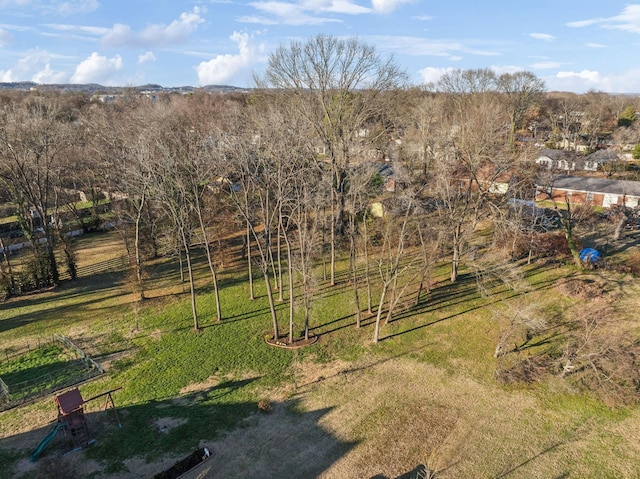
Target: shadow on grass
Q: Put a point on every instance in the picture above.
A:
(469, 293)
(531, 459)
(160, 432)
(364, 367)
(45, 312)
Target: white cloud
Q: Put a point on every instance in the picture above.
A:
(433, 74)
(257, 19)
(223, 68)
(55, 7)
(34, 65)
(628, 20)
(310, 12)
(542, 36)
(334, 6)
(77, 6)
(156, 35)
(419, 46)
(546, 65)
(285, 13)
(5, 38)
(624, 82)
(582, 81)
(91, 30)
(47, 75)
(8, 3)
(588, 75)
(119, 35)
(501, 69)
(97, 69)
(387, 6)
(146, 57)
(422, 18)
(579, 81)
(595, 45)
(584, 23)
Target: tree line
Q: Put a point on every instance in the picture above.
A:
(293, 168)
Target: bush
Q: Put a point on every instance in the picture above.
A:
(631, 265)
(550, 244)
(521, 369)
(264, 405)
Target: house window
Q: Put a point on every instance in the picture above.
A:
(589, 196)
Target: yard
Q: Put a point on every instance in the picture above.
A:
(425, 395)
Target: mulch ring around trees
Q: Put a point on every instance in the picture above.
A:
(283, 341)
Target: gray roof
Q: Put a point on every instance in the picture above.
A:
(603, 155)
(597, 185)
(557, 154)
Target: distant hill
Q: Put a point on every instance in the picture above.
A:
(94, 88)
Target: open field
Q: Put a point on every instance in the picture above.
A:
(342, 408)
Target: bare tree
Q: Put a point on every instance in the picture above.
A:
(33, 141)
(598, 117)
(471, 170)
(394, 264)
(339, 87)
(420, 142)
(564, 118)
(121, 140)
(251, 179)
(520, 91)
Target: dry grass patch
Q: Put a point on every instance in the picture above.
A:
(386, 419)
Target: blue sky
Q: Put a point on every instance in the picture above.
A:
(572, 45)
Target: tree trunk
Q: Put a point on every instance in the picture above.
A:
(192, 288)
(181, 265)
(354, 278)
(376, 333)
(250, 267)
(10, 271)
(332, 267)
(279, 249)
(366, 266)
(291, 292)
(212, 268)
(567, 225)
(619, 226)
(136, 247)
(455, 260)
(272, 306)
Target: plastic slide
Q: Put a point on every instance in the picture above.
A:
(45, 442)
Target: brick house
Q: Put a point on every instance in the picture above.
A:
(596, 191)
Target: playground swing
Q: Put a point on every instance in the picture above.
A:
(72, 420)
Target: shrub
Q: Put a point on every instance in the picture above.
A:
(264, 405)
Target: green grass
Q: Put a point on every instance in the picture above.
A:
(42, 370)
(209, 381)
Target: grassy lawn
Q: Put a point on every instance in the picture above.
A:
(41, 370)
(344, 407)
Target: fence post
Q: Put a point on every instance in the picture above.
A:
(4, 390)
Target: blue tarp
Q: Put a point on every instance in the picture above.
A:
(590, 255)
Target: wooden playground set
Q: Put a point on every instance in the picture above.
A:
(72, 420)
